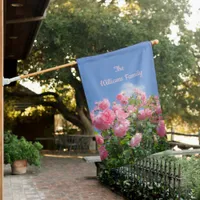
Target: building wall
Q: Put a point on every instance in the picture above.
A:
(32, 128)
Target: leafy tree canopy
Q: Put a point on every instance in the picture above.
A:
(75, 29)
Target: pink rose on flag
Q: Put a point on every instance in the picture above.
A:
(131, 109)
(103, 153)
(143, 99)
(158, 109)
(120, 114)
(121, 128)
(99, 139)
(104, 119)
(103, 104)
(124, 101)
(154, 120)
(121, 123)
(141, 115)
(144, 114)
(135, 141)
(148, 113)
(161, 128)
(122, 98)
(116, 107)
(160, 118)
(156, 98)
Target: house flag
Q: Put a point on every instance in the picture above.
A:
(106, 75)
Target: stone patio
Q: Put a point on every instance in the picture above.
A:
(59, 178)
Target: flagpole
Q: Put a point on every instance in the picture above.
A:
(154, 42)
(71, 64)
(48, 70)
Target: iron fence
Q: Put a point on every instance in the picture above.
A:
(74, 143)
(150, 178)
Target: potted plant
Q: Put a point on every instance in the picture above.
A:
(18, 152)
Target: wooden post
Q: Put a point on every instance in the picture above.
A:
(1, 95)
(199, 137)
(172, 134)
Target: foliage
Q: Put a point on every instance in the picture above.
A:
(17, 109)
(130, 130)
(10, 114)
(76, 28)
(133, 185)
(21, 149)
(137, 188)
(190, 169)
(13, 116)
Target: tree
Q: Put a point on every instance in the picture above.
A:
(75, 29)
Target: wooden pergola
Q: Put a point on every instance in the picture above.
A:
(20, 21)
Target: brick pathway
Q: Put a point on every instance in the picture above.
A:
(58, 179)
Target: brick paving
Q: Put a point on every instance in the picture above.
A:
(57, 179)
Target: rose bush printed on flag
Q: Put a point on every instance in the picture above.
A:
(129, 129)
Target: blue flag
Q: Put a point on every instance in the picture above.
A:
(107, 75)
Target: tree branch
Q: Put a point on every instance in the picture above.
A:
(46, 103)
(68, 115)
(49, 93)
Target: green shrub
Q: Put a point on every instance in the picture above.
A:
(135, 187)
(190, 172)
(20, 149)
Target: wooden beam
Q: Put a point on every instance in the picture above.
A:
(25, 20)
(1, 96)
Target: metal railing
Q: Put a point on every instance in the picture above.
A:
(158, 172)
(162, 176)
(173, 134)
(74, 143)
